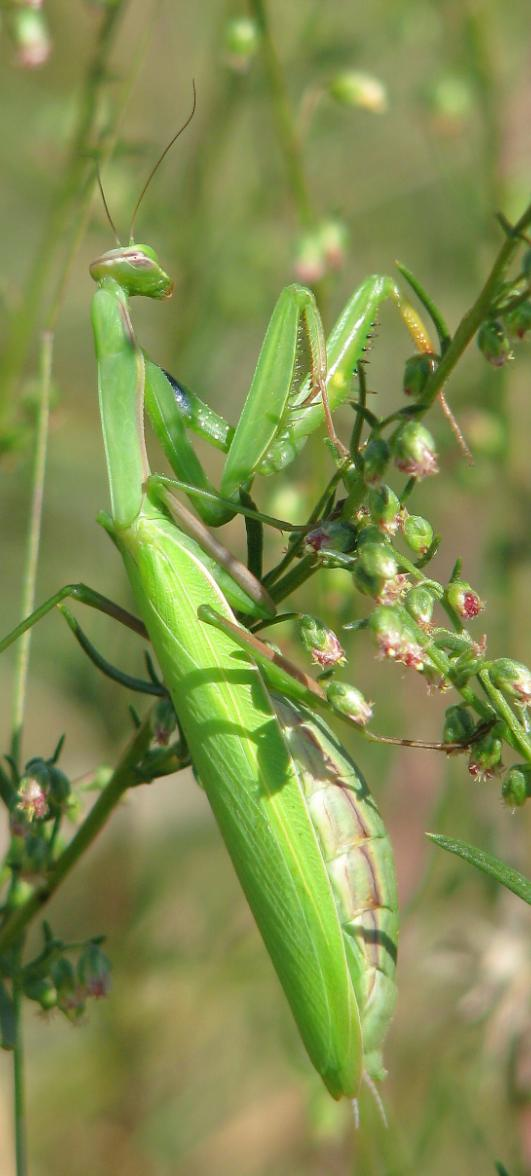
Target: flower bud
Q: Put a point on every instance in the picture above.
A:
(394, 637)
(418, 534)
(418, 370)
(32, 800)
(70, 997)
(485, 757)
(493, 342)
(464, 601)
(512, 678)
(241, 40)
(353, 88)
(459, 725)
(59, 791)
(367, 584)
(516, 787)
(376, 457)
(414, 450)
(94, 971)
(332, 535)
(41, 989)
(334, 240)
(377, 559)
(349, 701)
(30, 34)
(384, 507)
(321, 642)
(163, 722)
(310, 261)
(371, 534)
(518, 320)
(420, 603)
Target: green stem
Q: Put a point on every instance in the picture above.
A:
(19, 1100)
(66, 198)
(520, 740)
(126, 775)
(33, 541)
(472, 320)
(285, 123)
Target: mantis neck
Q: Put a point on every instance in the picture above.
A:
(121, 391)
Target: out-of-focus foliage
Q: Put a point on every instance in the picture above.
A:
(192, 1064)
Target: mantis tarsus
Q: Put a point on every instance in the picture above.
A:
(299, 823)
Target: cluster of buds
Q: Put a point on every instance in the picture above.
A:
(60, 984)
(512, 679)
(516, 787)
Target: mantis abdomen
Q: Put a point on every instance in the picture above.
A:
(297, 820)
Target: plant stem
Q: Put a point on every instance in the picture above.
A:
(287, 133)
(126, 775)
(19, 1100)
(33, 542)
(472, 320)
(67, 196)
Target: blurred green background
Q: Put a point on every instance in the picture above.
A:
(192, 1065)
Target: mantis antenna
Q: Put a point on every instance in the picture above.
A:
(155, 168)
(107, 210)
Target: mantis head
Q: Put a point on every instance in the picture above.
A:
(136, 269)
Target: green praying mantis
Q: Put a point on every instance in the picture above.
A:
(301, 827)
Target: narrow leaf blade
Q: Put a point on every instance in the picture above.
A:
(497, 869)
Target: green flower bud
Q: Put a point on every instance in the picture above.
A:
(493, 342)
(376, 456)
(420, 603)
(512, 678)
(371, 534)
(333, 535)
(30, 35)
(241, 39)
(414, 450)
(94, 971)
(60, 789)
(485, 757)
(367, 584)
(464, 601)
(378, 560)
(384, 507)
(353, 88)
(418, 370)
(516, 787)
(459, 725)
(334, 240)
(70, 997)
(41, 989)
(518, 320)
(310, 260)
(349, 701)
(163, 722)
(321, 642)
(394, 637)
(418, 534)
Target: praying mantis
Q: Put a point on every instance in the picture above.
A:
(301, 827)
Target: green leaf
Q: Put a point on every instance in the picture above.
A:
(508, 877)
(501, 1169)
